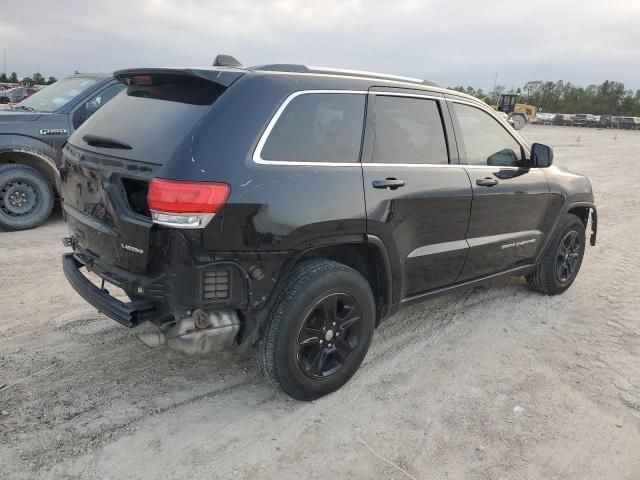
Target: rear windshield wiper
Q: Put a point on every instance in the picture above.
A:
(105, 142)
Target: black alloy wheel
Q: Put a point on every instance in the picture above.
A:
(318, 330)
(560, 264)
(568, 257)
(329, 335)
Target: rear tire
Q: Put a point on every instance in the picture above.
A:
(26, 197)
(561, 262)
(319, 329)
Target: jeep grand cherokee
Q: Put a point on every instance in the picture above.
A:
(293, 208)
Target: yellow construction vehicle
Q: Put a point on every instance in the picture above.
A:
(519, 113)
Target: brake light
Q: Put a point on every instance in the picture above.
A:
(142, 80)
(185, 204)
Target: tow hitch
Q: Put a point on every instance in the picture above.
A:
(199, 334)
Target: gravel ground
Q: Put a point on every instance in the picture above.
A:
(496, 382)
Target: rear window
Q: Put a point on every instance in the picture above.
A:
(155, 116)
(175, 88)
(318, 127)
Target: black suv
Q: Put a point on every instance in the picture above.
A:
(295, 207)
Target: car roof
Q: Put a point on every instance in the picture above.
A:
(217, 74)
(294, 68)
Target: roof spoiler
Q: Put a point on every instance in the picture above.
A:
(224, 76)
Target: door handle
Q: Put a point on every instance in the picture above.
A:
(486, 182)
(390, 183)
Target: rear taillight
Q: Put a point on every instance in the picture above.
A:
(185, 204)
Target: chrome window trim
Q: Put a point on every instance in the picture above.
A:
(419, 165)
(441, 165)
(402, 94)
(257, 153)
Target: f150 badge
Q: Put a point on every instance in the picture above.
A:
(132, 249)
(53, 131)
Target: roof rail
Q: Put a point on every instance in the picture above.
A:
(293, 68)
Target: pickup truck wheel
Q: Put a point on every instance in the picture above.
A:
(26, 198)
(319, 330)
(561, 262)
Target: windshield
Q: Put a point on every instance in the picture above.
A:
(57, 95)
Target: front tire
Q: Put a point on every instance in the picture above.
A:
(519, 121)
(26, 197)
(319, 330)
(561, 262)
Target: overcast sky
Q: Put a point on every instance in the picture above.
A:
(451, 42)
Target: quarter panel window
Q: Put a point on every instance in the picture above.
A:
(318, 127)
(486, 142)
(408, 130)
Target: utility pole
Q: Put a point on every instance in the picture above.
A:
(4, 61)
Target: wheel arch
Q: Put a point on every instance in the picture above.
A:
(582, 211)
(368, 257)
(33, 158)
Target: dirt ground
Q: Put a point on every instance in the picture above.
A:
(497, 382)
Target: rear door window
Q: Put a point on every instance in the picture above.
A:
(318, 127)
(408, 130)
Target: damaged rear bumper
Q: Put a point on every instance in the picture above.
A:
(199, 333)
(129, 314)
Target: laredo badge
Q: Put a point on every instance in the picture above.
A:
(131, 249)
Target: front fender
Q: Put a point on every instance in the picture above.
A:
(563, 211)
(34, 146)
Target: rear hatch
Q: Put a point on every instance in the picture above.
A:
(109, 161)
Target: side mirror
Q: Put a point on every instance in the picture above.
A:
(541, 155)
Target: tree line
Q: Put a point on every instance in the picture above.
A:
(35, 79)
(610, 97)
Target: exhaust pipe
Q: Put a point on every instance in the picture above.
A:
(199, 334)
